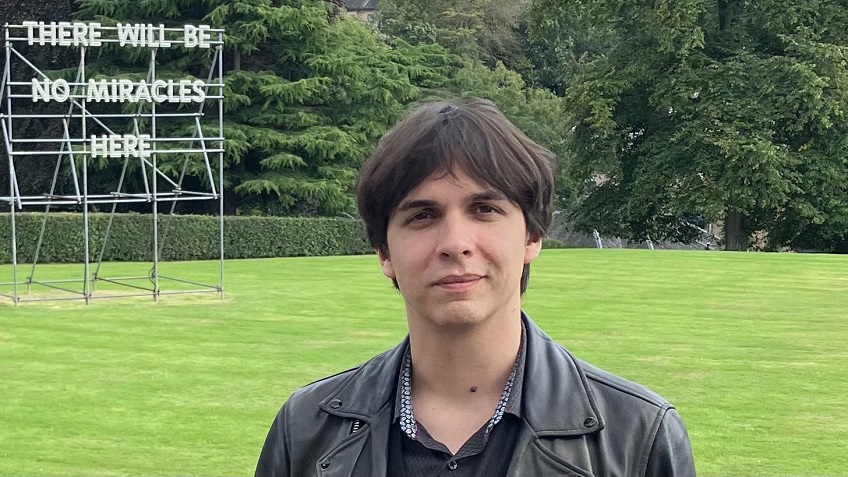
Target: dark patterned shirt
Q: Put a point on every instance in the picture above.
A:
(413, 452)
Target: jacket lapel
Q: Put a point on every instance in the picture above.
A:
(556, 400)
(530, 457)
(365, 396)
(557, 409)
(362, 453)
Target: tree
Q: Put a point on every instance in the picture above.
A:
(722, 110)
(537, 112)
(487, 30)
(35, 174)
(307, 93)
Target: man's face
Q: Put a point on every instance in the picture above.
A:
(457, 250)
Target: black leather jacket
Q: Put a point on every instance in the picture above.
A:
(578, 421)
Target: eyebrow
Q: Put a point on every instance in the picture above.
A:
(490, 195)
(415, 204)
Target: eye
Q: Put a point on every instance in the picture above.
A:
(420, 216)
(485, 209)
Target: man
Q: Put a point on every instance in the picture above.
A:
(456, 201)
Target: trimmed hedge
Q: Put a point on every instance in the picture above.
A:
(182, 237)
(552, 243)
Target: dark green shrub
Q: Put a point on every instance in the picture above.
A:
(550, 243)
(183, 237)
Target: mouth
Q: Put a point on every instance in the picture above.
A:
(459, 282)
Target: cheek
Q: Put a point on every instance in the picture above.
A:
(403, 260)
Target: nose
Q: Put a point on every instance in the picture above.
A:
(456, 237)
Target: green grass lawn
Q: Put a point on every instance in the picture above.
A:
(750, 347)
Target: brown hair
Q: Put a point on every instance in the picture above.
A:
(474, 137)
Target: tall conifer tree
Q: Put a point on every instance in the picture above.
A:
(308, 91)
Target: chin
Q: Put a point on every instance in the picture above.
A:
(459, 315)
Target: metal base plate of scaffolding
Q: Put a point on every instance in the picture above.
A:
(159, 132)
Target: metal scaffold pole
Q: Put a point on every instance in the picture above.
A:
(163, 130)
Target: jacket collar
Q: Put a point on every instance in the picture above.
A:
(369, 388)
(555, 396)
(556, 399)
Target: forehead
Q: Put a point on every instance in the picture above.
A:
(442, 181)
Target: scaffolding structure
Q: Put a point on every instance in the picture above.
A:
(94, 128)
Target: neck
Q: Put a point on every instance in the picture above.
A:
(452, 362)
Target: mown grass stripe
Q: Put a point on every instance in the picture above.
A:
(750, 347)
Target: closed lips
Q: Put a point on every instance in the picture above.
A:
(458, 279)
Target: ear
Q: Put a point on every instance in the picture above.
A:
(386, 263)
(532, 249)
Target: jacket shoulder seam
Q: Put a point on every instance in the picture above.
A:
(305, 390)
(340, 373)
(651, 441)
(640, 393)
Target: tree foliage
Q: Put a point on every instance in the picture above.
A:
(307, 93)
(537, 112)
(487, 30)
(35, 173)
(715, 109)
(489, 35)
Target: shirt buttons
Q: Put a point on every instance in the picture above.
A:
(452, 465)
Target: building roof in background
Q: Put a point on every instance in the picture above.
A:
(357, 5)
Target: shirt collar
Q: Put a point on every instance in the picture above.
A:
(510, 401)
(553, 381)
